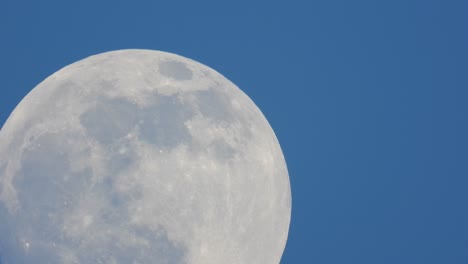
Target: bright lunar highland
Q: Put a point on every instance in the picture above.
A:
(141, 157)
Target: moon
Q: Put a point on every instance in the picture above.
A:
(141, 156)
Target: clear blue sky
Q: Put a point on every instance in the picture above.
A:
(369, 100)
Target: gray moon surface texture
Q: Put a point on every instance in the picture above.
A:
(136, 157)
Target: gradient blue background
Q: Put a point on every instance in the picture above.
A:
(368, 99)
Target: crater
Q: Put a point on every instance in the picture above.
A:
(175, 70)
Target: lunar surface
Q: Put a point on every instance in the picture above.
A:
(140, 157)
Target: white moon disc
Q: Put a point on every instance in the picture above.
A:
(138, 156)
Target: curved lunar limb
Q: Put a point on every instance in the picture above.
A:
(139, 156)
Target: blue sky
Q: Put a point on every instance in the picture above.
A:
(368, 99)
